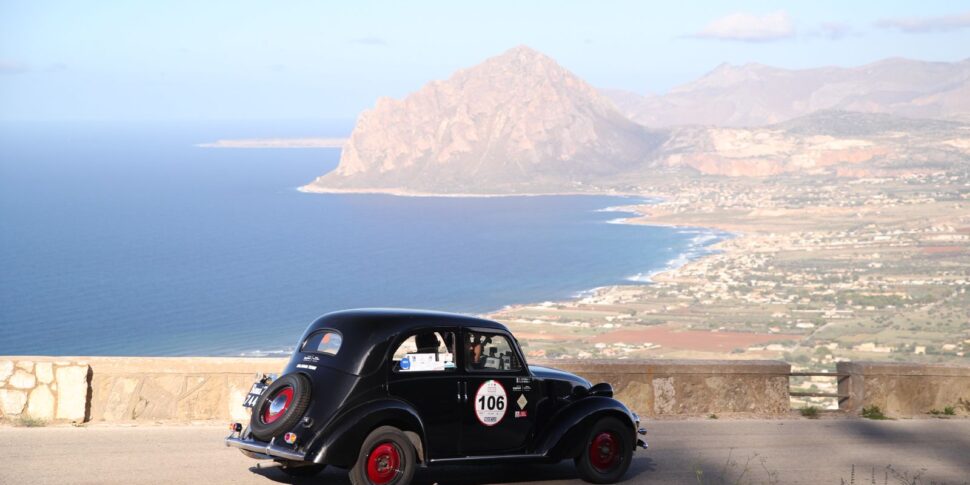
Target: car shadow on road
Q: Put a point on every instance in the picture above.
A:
(466, 475)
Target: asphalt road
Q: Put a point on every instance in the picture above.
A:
(724, 451)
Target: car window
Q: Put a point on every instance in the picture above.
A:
(426, 351)
(490, 351)
(324, 342)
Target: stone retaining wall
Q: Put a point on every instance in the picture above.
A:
(120, 389)
(44, 389)
(173, 388)
(903, 389)
(691, 387)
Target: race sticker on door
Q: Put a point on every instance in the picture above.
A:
(490, 403)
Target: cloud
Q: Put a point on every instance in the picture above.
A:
(12, 67)
(923, 25)
(834, 30)
(748, 27)
(370, 40)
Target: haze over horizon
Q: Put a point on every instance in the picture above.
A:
(214, 61)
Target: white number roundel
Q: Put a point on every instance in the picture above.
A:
(490, 403)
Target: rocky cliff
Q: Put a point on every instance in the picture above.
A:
(835, 142)
(516, 122)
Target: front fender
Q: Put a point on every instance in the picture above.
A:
(563, 436)
(339, 444)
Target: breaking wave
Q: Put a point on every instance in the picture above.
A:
(697, 247)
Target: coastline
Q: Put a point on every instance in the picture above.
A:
(704, 244)
(708, 242)
(400, 192)
(700, 246)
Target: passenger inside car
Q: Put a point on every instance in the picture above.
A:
(427, 343)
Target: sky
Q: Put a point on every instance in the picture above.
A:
(293, 59)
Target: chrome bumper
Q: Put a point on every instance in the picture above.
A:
(640, 431)
(641, 442)
(269, 449)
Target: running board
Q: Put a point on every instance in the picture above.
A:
(486, 458)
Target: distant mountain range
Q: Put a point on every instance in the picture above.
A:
(519, 122)
(756, 95)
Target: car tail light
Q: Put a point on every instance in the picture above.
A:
(235, 427)
(289, 438)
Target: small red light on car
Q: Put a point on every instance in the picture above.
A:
(289, 438)
(235, 427)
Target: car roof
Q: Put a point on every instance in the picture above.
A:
(368, 330)
(385, 322)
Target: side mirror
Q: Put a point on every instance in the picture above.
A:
(602, 389)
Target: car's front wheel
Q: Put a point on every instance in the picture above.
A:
(387, 457)
(607, 453)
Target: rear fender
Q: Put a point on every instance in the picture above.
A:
(564, 435)
(339, 444)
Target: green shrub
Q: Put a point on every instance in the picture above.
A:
(810, 412)
(29, 422)
(949, 411)
(873, 412)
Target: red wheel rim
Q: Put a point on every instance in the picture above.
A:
(604, 451)
(383, 463)
(277, 406)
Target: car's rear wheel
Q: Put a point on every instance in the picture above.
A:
(280, 407)
(387, 457)
(607, 452)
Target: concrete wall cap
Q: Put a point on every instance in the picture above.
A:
(903, 369)
(668, 366)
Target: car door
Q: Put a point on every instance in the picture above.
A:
(499, 395)
(429, 381)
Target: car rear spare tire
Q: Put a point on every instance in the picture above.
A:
(280, 406)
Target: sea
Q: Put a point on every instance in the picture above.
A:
(128, 239)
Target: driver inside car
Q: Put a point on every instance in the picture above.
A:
(476, 354)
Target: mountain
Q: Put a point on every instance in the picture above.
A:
(516, 122)
(837, 142)
(757, 95)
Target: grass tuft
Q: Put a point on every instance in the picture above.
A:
(873, 412)
(810, 412)
(29, 422)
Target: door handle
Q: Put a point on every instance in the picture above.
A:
(464, 386)
(459, 391)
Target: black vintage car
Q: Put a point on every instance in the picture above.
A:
(382, 392)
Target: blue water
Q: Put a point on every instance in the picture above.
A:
(128, 240)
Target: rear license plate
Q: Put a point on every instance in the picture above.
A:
(253, 395)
